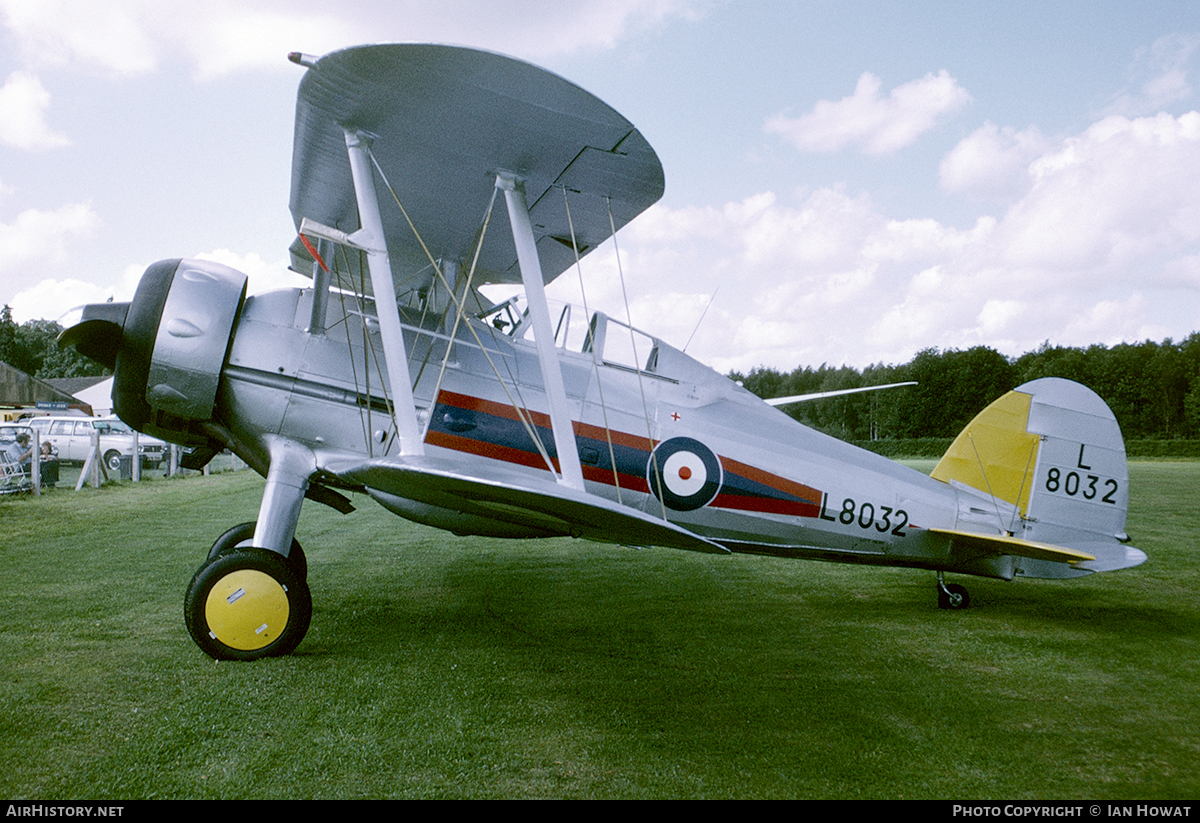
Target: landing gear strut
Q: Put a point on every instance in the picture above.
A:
(241, 536)
(952, 595)
(250, 598)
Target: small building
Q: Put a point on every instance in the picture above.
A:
(20, 393)
(91, 391)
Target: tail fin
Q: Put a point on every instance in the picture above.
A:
(1053, 451)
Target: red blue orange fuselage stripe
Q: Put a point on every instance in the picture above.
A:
(495, 430)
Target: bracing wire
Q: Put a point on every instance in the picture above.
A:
(707, 306)
(612, 457)
(364, 421)
(655, 472)
(370, 347)
(459, 314)
(364, 395)
(986, 480)
(522, 413)
(1024, 477)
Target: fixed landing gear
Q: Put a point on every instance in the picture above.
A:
(951, 595)
(241, 536)
(246, 603)
(248, 600)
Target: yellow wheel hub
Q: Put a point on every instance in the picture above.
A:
(246, 610)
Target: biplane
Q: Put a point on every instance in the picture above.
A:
(421, 176)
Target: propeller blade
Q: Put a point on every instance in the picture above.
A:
(99, 334)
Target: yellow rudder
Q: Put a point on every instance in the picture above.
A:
(995, 453)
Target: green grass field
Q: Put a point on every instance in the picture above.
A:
(439, 666)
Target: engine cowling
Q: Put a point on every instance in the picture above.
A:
(167, 347)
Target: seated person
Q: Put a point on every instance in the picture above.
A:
(49, 461)
(19, 451)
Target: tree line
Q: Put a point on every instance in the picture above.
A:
(33, 348)
(1152, 388)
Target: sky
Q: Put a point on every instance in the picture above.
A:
(847, 183)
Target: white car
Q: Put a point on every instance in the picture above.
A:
(9, 432)
(72, 437)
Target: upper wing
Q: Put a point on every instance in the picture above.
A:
(445, 120)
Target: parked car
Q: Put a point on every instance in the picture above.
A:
(72, 436)
(9, 432)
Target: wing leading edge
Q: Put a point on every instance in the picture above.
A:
(445, 493)
(444, 120)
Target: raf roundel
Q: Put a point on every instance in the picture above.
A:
(684, 473)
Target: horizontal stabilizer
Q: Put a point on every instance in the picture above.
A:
(1043, 559)
(541, 506)
(999, 544)
(1111, 556)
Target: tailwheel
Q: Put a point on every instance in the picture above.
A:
(241, 536)
(247, 603)
(952, 595)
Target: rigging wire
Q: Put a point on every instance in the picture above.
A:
(458, 314)
(656, 473)
(362, 390)
(612, 457)
(364, 420)
(370, 346)
(522, 414)
(986, 480)
(1024, 477)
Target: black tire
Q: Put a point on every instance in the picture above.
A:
(247, 604)
(241, 535)
(954, 597)
(112, 459)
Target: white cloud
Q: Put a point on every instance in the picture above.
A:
(129, 37)
(992, 163)
(51, 296)
(537, 28)
(39, 237)
(1102, 230)
(880, 125)
(1122, 191)
(23, 103)
(1102, 247)
(262, 275)
(34, 249)
(1158, 76)
(50, 299)
(111, 37)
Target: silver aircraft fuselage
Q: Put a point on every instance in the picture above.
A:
(756, 480)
